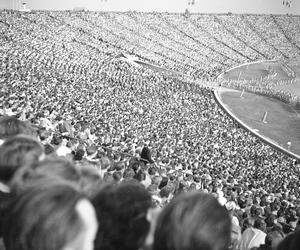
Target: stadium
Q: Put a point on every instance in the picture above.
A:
(159, 127)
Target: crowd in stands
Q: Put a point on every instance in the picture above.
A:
(139, 204)
(100, 153)
(199, 46)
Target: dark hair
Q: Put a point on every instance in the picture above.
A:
(50, 168)
(78, 156)
(290, 242)
(146, 155)
(273, 236)
(163, 182)
(42, 217)
(193, 221)
(56, 139)
(165, 191)
(260, 224)
(16, 152)
(254, 210)
(270, 220)
(140, 176)
(11, 126)
(121, 211)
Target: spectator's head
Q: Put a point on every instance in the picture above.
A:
(17, 151)
(254, 210)
(140, 176)
(50, 217)
(79, 154)
(56, 139)
(146, 155)
(163, 182)
(247, 222)
(11, 126)
(90, 180)
(193, 221)
(105, 163)
(290, 242)
(49, 169)
(165, 192)
(270, 220)
(128, 173)
(122, 212)
(273, 238)
(235, 236)
(117, 176)
(260, 224)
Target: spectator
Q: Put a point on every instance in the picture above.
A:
(122, 213)
(272, 240)
(49, 169)
(90, 180)
(253, 236)
(290, 242)
(77, 78)
(193, 221)
(15, 153)
(146, 155)
(52, 216)
(11, 126)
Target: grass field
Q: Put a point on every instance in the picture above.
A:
(283, 122)
(258, 70)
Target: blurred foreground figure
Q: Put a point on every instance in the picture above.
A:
(11, 126)
(17, 152)
(50, 169)
(50, 217)
(193, 221)
(14, 153)
(291, 242)
(122, 215)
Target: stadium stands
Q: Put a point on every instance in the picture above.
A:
(62, 72)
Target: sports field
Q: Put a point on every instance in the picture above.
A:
(261, 69)
(283, 120)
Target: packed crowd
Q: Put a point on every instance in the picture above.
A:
(200, 46)
(111, 203)
(119, 156)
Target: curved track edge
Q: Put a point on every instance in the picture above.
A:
(248, 128)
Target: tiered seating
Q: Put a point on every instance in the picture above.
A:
(64, 72)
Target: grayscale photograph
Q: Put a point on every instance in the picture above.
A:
(150, 125)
